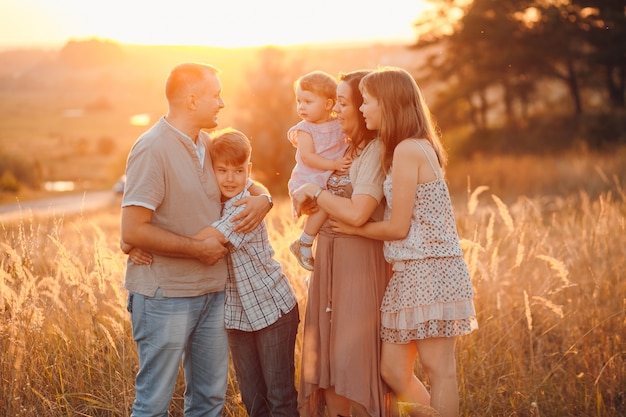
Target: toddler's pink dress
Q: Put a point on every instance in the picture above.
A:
(329, 141)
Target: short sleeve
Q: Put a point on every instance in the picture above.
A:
(292, 134)
(144, 176)
(366, 174)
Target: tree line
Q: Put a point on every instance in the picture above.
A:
(513, 57)
(501, 76)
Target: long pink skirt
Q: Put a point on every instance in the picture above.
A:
(341, 340)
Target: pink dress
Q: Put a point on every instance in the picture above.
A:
(341, 339)
(329, 142)
(430, 293)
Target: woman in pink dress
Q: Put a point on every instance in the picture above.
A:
(340, 368)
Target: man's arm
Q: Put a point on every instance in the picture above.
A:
(138, 231)
(208, 232)
(257, 207)
(257, 189)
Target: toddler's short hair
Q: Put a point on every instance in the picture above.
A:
(320, 83)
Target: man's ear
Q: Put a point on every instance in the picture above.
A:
(191, 101)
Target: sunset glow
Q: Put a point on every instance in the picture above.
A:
(234, 23)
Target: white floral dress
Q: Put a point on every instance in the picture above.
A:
(430, 293)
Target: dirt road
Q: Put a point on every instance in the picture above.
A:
(57, 206)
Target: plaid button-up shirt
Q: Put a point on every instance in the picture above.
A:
(257, 291)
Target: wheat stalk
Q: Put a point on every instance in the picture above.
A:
(504, 213)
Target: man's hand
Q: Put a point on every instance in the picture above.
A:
(212, 250)
(252, 215)
(137, 231)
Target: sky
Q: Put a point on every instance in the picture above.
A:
(223, 23)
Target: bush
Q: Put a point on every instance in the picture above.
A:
(9, 183)
(546, 135)
(601, 130)
(16, 169)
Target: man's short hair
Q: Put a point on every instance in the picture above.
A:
(182, 76)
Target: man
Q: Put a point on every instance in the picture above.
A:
(177, 304)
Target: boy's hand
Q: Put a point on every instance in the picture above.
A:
(140, 257)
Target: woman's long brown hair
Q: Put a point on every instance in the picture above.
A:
(403, 110)
(361, 136)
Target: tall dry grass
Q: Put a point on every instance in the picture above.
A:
(550, 296)
(551, 301)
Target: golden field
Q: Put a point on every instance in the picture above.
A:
(547, 271)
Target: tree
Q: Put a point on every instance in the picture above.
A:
(17, 170)
(605, 23)
(91, 53)
(266, 110)
(499, 53)
(485, 60)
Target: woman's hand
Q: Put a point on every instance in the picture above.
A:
(340, 227)
(252, 215)
(302, 199)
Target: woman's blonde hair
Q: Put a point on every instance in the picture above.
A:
(404, 113)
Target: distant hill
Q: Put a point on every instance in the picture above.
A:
(72, 112)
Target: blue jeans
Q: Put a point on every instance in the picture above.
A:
(264, 364)
(167, 330)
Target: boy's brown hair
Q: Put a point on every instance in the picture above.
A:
(230, 146)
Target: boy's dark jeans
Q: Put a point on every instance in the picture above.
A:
(264, 364)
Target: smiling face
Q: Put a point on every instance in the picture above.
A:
(194, 95)
(209, 101)
(230, 152)
(345, 109)
(371, 111)
(231, 178)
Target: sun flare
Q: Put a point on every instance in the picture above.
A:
(236, 23)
